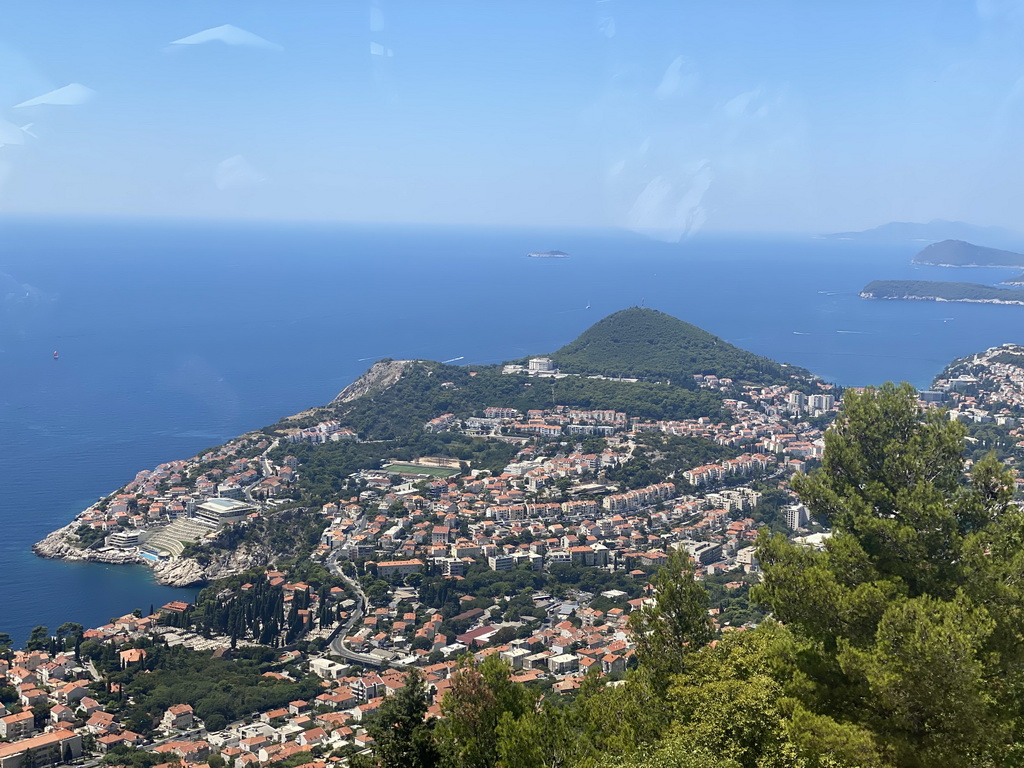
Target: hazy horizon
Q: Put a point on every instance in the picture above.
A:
(661, 118)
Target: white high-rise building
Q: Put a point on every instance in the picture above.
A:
(796, 516)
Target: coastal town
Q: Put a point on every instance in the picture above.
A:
(424, 563)
(427, 562)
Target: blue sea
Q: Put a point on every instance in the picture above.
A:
(173, 337)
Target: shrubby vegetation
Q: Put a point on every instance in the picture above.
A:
(428, 389)
(659, 456)
(220, 689)
(289, 532)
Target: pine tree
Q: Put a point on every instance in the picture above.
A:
(401, 737)
(676, 624)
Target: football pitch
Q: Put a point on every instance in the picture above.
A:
(416, 469)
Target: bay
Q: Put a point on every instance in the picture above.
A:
(176, 336)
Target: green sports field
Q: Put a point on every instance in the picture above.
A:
(416, 469)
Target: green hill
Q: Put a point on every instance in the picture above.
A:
(957, 253)
(645, 343)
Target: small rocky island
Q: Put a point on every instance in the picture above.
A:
(935, 290)
(958, 253)
(548, 255)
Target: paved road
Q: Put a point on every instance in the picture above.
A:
(266, 470)
(338, 646)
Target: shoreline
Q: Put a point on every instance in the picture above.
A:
(866, 295)
(174, 572)
(973, 266)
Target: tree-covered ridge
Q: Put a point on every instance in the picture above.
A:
(428, 389)
(939, 290)
(958, 253)
(645, 343)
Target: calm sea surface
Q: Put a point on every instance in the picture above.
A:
(176, 337)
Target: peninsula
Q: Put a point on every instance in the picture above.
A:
(934, 290)
(958, 253)
(444, 541)
(258, 499)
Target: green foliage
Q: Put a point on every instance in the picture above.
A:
(675, 753)
(546, 738)
(89, 537)
(402, 739)
(136, 758)
(477, 699)
(324, 468)
(39, 639)
(229, 688)
(645, 343)
(658, 456)
(256, 613)
(676, 625)
(288, 532)
(908, 611)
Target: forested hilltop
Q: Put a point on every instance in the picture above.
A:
(645, 343)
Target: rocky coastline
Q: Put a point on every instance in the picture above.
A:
(57, 546)
(177, 572)
(868, 295)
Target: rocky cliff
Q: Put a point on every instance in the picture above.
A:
(381, 375)
(188, 572)
(59, 545)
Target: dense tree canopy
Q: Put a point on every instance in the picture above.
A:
(649, 344)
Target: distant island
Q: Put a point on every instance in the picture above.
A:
(934, 290)
(548, 255)
(932, 231)
(958, 253)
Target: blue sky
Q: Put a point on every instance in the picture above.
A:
(662, 117)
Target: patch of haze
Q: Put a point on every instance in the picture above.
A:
(10, 134)
(671, 209)
(21, 303)
(376, 49)
(198, 379)
(1000, 11)
(680, 155)
(236, 171)
(72, 94)
(678, 80)
(229, 35)
(376, 17)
